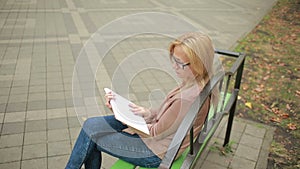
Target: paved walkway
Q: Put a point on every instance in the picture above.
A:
(40, 41)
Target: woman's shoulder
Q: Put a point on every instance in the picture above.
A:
(189, 93)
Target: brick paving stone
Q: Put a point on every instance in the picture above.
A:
(16, 107)
(10, 165)
(11, 140)
(3, 99)
(54, 104)
(35, 137)
(4, 84)
(21, 86)
(37, 88)
(36, 96)
(56, 113)
(14, 117)
(37, 82)
(36, 115)
(58, 135)
(238, 127)
(74, 132)
(59, 148)
(73, 122)
(234, 137)
(248, 152)
(212, 165)
(13, 128)
(10, 154)
(57, 162)
(4, 91)
(255, 131)
(108, 161)
(55, 95)
(3, 107)
(71, 112)
(35, 125)
(40, 163)
(57, 123)
(34, 151)
(238, 163)
(36, 105)
(1, 117)
(223, 161)
(17, 98)
(55, 87)
(251, 141)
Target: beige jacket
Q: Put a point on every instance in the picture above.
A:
(168, 118)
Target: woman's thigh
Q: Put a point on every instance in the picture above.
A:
(128, 147)
(96, 127)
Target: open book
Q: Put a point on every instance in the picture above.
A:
(121, 109)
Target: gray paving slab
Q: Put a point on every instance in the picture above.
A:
(34, 151)
(40, 41)
(35, 137)
(40, 163)
(11, 140)
(244, 154)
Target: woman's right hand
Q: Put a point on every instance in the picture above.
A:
(108, 97)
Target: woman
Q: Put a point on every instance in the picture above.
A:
(192, 57)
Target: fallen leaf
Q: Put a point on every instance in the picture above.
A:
(267, 108)
(294, 36)
(288, 107)
(245, 87)
(258, 89)
(292, 126)
(284, 115)
(297, 93)
(275, 119)
(275, 48)
(275, 110)
(266, 77)
(240, 115)
(248, 104)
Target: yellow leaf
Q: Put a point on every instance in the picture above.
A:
(248, 104)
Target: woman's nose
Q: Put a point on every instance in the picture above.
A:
(175, 66)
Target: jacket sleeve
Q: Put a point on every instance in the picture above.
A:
(153, 116)
(170, 120)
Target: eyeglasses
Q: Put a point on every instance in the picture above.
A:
(178, 63)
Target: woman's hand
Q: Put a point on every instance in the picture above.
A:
(140, 111)
(108, 97)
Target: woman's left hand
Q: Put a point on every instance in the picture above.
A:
(140, 111)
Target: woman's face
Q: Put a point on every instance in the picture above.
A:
(181, 64)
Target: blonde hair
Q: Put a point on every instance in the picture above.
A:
(199, 49)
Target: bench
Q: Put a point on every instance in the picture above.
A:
(228, 83)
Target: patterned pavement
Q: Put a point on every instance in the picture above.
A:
(40, 44)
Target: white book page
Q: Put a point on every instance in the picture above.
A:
(121, 109)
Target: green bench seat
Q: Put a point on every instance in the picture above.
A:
(121, 164)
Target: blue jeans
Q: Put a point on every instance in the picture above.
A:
(104, 134)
